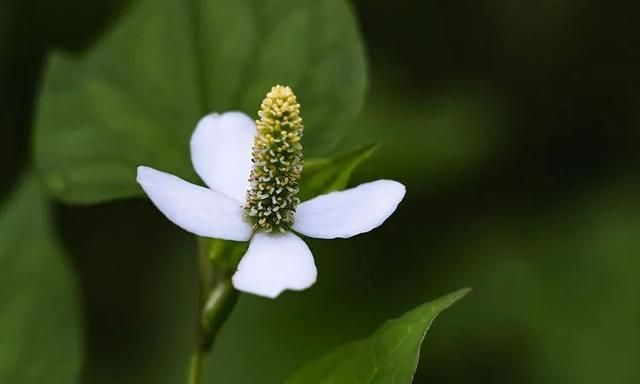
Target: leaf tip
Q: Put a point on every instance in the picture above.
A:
(368, 150)
(457, 295)
(449, 299)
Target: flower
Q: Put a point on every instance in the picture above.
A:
(252, 171)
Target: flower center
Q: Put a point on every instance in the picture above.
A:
(277, 162)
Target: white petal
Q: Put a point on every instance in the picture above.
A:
(195, 209)
(221, 152)
(273, 263)
(350, 212)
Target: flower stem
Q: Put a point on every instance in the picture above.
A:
(217, 300)
(195, 367)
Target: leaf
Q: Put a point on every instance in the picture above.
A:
(331, 174)
(136, 96)
(84, 21)
(389, 356)
(40, 339)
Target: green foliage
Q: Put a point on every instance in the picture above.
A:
(565, 261)
(136, 96)
(326, 175)
(389, 356)
(513, 166)
(40, 339)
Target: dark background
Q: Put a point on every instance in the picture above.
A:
(515, 128)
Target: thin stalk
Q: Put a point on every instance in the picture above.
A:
(195, 367)
(217, 300)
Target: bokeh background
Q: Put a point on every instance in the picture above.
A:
(515, 127)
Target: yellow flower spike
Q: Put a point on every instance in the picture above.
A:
(277, 162)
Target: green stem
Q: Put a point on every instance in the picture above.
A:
(195, 367)
(222, 299)
(217, 300)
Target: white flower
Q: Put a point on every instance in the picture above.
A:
(221, 155)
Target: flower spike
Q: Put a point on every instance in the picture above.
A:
(277, 162)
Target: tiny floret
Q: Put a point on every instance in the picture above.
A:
(277, 162)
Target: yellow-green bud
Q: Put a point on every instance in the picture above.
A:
(277, 162)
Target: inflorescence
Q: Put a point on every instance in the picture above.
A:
(277, 162)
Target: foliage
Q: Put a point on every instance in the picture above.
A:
(40, 326)
(136, 96)
(389, 356)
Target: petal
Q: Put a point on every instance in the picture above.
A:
(221, 152)
(273, 263)
(350, 212)
(195, 209)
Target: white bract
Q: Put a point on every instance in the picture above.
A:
(221, 155)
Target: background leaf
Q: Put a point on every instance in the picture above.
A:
(40, 340)
(136, 96)
(389, 356)
(322, 176)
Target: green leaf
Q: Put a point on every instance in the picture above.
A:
(389, 356)
(331, 174)
(136, 96)
(40, 330)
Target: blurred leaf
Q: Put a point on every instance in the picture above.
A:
(566, 258)
(331, 174)
(137, 95)
(84, 21)
(40, 339)
(390, 355)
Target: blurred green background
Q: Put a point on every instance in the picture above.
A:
(515, 127)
